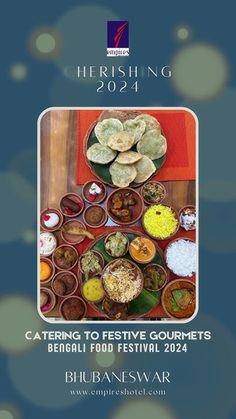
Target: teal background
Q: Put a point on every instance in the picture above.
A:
(36, 73)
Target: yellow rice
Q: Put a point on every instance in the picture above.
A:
(160, 221)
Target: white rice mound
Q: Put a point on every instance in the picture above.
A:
(181, 257)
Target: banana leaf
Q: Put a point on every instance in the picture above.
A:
(144, 302)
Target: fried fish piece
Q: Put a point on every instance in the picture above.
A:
(183, 297)
(117, 201)
(122, 214)
(129, 200)
(77, 231)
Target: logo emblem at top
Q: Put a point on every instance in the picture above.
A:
(117, 38)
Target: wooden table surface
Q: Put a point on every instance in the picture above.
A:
(58, 153)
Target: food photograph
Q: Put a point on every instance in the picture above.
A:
(118, 211)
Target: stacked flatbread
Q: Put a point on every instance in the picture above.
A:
(130, 147)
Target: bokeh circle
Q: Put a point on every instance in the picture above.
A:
(141, 408)
(18, 71)
(8, 411)
(105, 359)
(29, 236)
(182, 33)
(199, 71)
(24, 163)
(5, 414)
(45, 42)
(21, 195)
(21, 315)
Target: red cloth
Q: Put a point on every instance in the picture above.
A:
(179, 127)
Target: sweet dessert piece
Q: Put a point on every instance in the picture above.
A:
(73, 308)
(95, 215)
(44, 297)
(48, 243)
(45, 270)
(70, 207)
(47, 300)
(65, 257)
(64, 283)
(50, 219)
(59, 287)
(188, 218)
(95, 190)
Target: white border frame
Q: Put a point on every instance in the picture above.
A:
(94, 322)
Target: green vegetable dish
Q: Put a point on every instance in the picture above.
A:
(90, 263)
(155, 277)
(116, 244)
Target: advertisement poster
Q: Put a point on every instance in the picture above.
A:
(118, 210)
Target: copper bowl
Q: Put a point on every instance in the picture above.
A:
(137, 209)
(60, 275)
(139, 290)
(160, 267)
(166, 290)
(99, 198)
(158, 237)
(57, 212)
(92, 303)
(180, 212)
(72, 238)
(156, 183)
(76, 198)
(52, 298)
(73, 298)
(49, 262)
(89, 210)
(61, 268)
(142, 262)
(112, 234)
(101, 260)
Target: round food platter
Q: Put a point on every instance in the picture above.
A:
(146, 300)
(101, 171)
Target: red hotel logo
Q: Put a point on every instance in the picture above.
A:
(117, 38)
